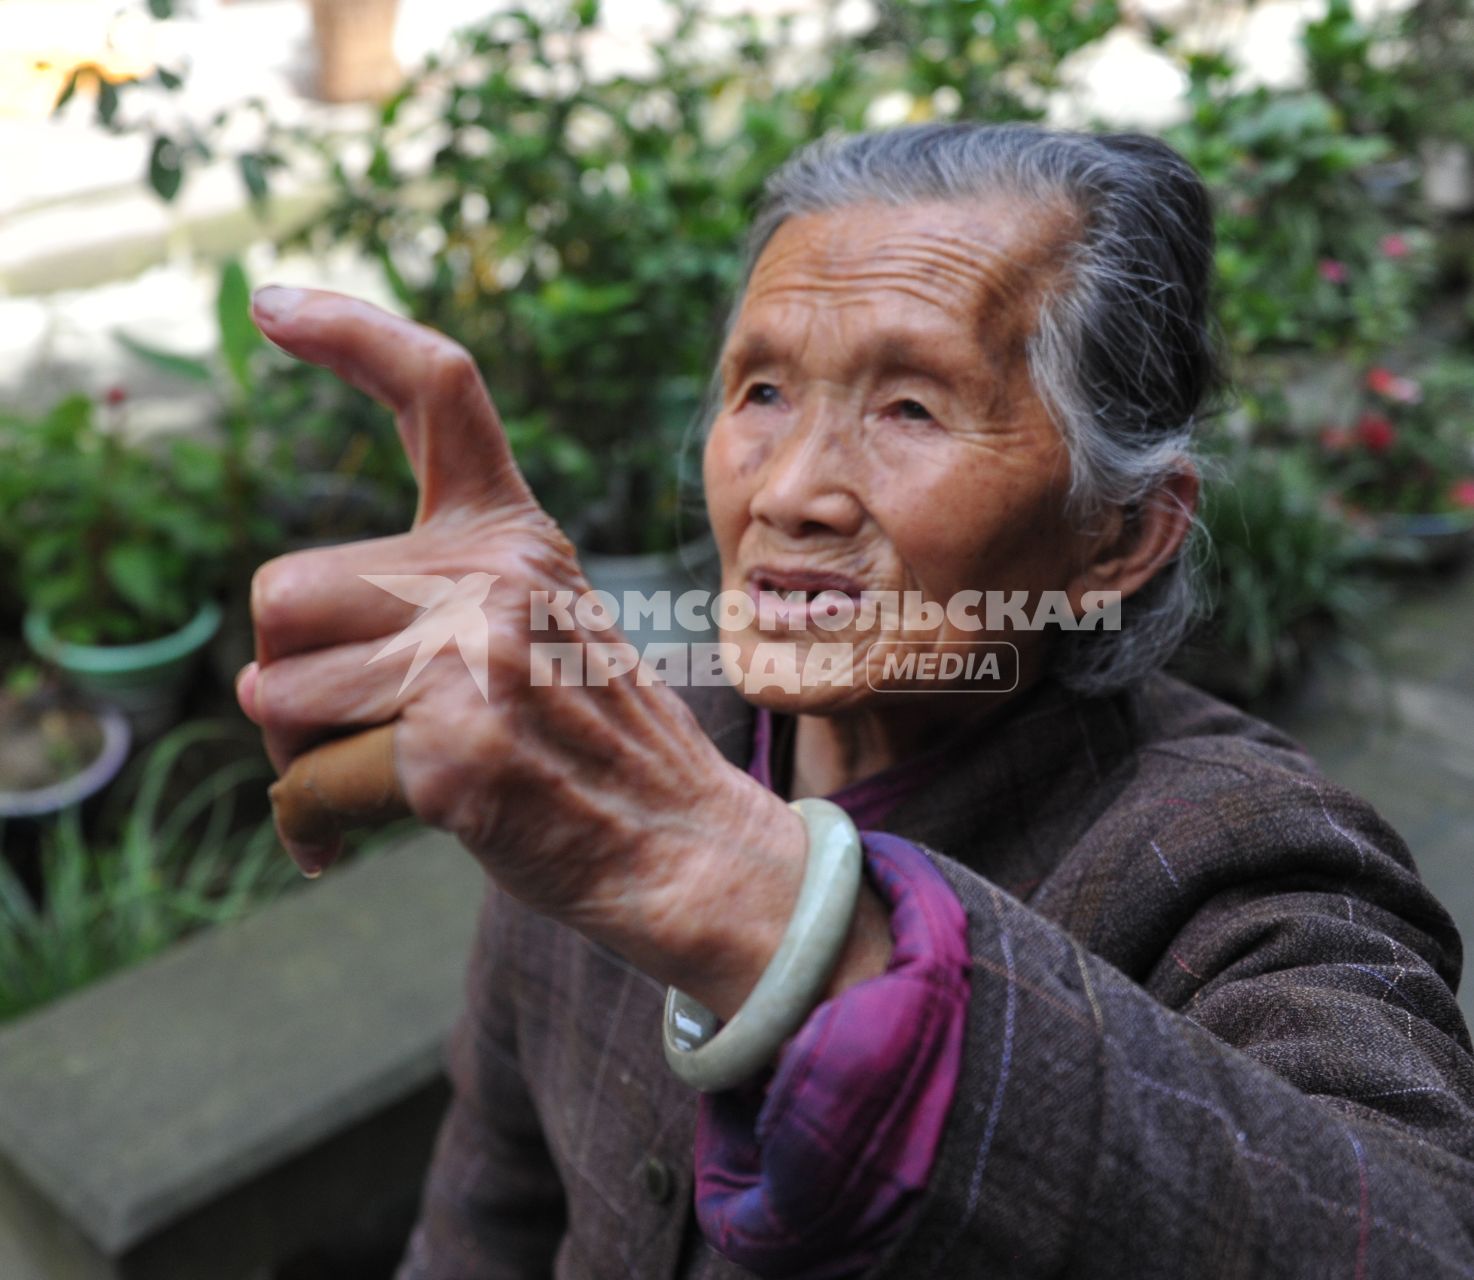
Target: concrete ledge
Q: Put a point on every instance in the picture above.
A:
(151, 1103)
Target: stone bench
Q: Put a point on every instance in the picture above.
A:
(267, 1088)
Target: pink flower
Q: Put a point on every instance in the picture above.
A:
(1395, 246)
(1386, 383)
(1376, 433)
(1462, 494)
(1335, 439)
(115, 395)
(1332, 270)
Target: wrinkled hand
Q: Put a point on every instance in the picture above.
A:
(605, 808)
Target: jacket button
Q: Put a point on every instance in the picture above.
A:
(658, 1179)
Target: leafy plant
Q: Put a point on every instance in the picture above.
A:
(1364, 68)
(1282, 575)
(22, 679)
(1302, 250)
(1434, 74)
(982, 59)
(117, 541)
(581, 232)
(175, 865)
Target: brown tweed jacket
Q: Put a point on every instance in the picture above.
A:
(1211, 1034)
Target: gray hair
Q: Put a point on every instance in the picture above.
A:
(1125, 355)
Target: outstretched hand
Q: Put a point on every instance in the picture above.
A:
(605, 808)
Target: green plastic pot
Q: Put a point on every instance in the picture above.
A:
(144, 679)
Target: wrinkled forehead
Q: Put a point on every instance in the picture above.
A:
(980, 266)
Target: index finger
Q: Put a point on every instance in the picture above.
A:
(447, 423)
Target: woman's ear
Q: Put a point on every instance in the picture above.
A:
(1140, 541)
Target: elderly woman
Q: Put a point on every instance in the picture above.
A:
(1126, 988)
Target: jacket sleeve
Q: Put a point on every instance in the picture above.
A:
(492, 1207)
(1281, 1086)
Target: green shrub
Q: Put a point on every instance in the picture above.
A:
(1303, 255)
(1282, 574)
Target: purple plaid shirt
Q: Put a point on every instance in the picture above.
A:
(818, 1166)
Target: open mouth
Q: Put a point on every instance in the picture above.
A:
(793, 599)
(807, 583)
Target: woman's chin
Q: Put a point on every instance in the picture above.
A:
(798, 674)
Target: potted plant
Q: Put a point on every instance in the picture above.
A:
(1403, 466)
(118, 549)
(56, 749)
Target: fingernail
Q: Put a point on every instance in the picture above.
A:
(245, 689)
(310, 862)
(275, 302)
(313, 859)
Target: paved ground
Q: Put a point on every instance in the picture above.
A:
(1405, 740)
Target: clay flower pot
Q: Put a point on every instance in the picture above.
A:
(355, 49)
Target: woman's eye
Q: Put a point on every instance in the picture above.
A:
(763, 393)
(914, 411)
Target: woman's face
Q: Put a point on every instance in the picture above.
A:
(878, 433)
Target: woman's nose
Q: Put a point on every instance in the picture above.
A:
(808, 484)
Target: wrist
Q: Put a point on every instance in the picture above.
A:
(732, 896)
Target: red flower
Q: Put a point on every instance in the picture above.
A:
(1332, 270)
(1335, 439)
(1386, 383)
(1462, 494)
(115, 395)
(1376, 433)
(1395, 246)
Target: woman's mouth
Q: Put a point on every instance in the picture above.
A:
(793, 599)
